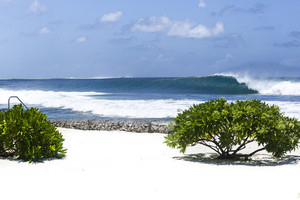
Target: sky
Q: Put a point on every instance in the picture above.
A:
(169, 38)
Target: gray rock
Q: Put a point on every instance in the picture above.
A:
(129, 125)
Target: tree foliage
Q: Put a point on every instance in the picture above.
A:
(28, 135)
(227, 128)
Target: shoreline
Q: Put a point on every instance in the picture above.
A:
(128, 125)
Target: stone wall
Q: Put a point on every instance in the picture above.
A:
(134, 125)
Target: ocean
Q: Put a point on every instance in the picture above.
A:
(145, 98)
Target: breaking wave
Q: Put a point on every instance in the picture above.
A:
(271, 86)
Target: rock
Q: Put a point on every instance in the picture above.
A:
(129, 125)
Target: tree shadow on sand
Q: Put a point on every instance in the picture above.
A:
(15, 159)
(257, 160)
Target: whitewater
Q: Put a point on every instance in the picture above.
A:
(145, 98)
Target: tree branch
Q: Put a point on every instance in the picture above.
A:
(203, 142)
(250, 141)
(216, 143)
(238, 150)
(211, 147)
(241, 146)
(254, 152)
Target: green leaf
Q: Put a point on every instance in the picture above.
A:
(222, 124)
(29, 135)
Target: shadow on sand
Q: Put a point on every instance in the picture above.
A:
(257, 160)
(15, 159)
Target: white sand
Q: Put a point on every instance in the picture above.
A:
(119, 165)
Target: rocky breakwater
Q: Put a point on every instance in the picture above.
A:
(129, 125)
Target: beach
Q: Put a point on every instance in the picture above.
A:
(129, 165)
(116, 77)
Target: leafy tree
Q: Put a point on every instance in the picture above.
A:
(227, 128)
(28, 135)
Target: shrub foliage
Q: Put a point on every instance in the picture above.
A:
(28, 135)
(227, 128)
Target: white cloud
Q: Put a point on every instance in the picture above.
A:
(154, 24)
(36, 7)
(202, 4)
(81, 39)
(188, 30)
(44, 31)
(184, 29)
(111, 17)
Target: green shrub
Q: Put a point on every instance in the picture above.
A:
(28, 135)
(227, 128)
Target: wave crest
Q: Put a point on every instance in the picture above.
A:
(270, 86)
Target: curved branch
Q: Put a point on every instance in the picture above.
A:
(216, 143)
(234, 151)
(250, 141)
(214, 148)
(242, 146)
(254, 152)
(211, 147)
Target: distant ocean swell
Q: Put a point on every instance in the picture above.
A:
(193, 85)
(155, 98)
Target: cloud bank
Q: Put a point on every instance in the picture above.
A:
(256, 9)
(36, 7)
(185, 29)
(81, 39)
(111, 17)
(44, 31)
(202, 4)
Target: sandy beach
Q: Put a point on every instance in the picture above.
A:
(122, 165)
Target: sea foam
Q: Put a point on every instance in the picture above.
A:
(74, 95)
(270, 86)
(88, 102)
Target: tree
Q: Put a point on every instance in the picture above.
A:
(28, 135)
(227, 128)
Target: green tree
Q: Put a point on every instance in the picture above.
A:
(227, 128)
(28, 135)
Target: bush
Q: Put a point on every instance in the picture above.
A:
(227, 128)
(28, 135)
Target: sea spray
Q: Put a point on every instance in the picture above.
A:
(269, 86)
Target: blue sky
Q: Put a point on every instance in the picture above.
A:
(55, 38)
